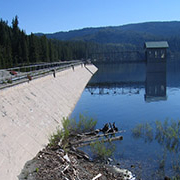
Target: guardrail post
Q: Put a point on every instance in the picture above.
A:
(35, 70)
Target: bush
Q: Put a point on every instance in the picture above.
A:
(55, 137)
(102, 150)
(84, 124)
(71, 127)
(9, 81)
(166, 133)
(143, 130)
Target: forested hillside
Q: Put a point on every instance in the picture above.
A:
(17, 48)
(134, 34)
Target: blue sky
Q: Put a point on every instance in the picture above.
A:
(50, 16)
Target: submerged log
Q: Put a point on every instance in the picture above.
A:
(104, 140)
(85, 139)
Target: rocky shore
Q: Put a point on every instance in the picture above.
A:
(56, 164)
(62, 159)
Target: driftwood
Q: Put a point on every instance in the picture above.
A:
(64, 156)
(106, 134)
(98, 176)
(79, 153)
(105, 140)
(85, 138)
(64, 170)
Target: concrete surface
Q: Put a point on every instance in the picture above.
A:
(30, 112)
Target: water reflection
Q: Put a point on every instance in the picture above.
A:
(118, 79)
(155, 86)
(129, 79)
(119, 92)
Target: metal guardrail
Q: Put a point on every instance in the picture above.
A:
(10, 75)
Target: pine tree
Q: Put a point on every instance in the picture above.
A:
(51, 51)
(2, 60)
(24, 46)
(8, 57)
(15, 41)
(33, 54)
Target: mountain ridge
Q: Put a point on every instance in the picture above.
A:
(131, 34)
(148, 27)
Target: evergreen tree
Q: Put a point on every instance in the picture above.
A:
(44, 49)
(24, 46)
(51, 51)
(2, 60)
(16, 49)
(33, 54)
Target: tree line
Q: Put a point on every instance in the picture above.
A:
(17, 48)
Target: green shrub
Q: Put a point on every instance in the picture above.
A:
(84, 124)
(168, 133)
(9, 81)
(102, 150)
(37, 170)
(4, 82)
(71, 127)
(137, 131)
(55, 137)
(143, 130)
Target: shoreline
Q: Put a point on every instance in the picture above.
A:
(54, 163)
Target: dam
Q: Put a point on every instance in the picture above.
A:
(31, 111)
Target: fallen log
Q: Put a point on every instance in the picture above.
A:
(92, 138)
(104, 140)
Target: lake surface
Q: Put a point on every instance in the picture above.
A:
(133, 94)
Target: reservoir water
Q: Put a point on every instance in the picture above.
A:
(144, 100)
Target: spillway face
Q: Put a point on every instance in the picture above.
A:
(31, 112)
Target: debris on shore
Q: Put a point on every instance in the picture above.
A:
(63, 160)
(51, 164)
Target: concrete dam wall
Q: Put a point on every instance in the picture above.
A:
(30, 112)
